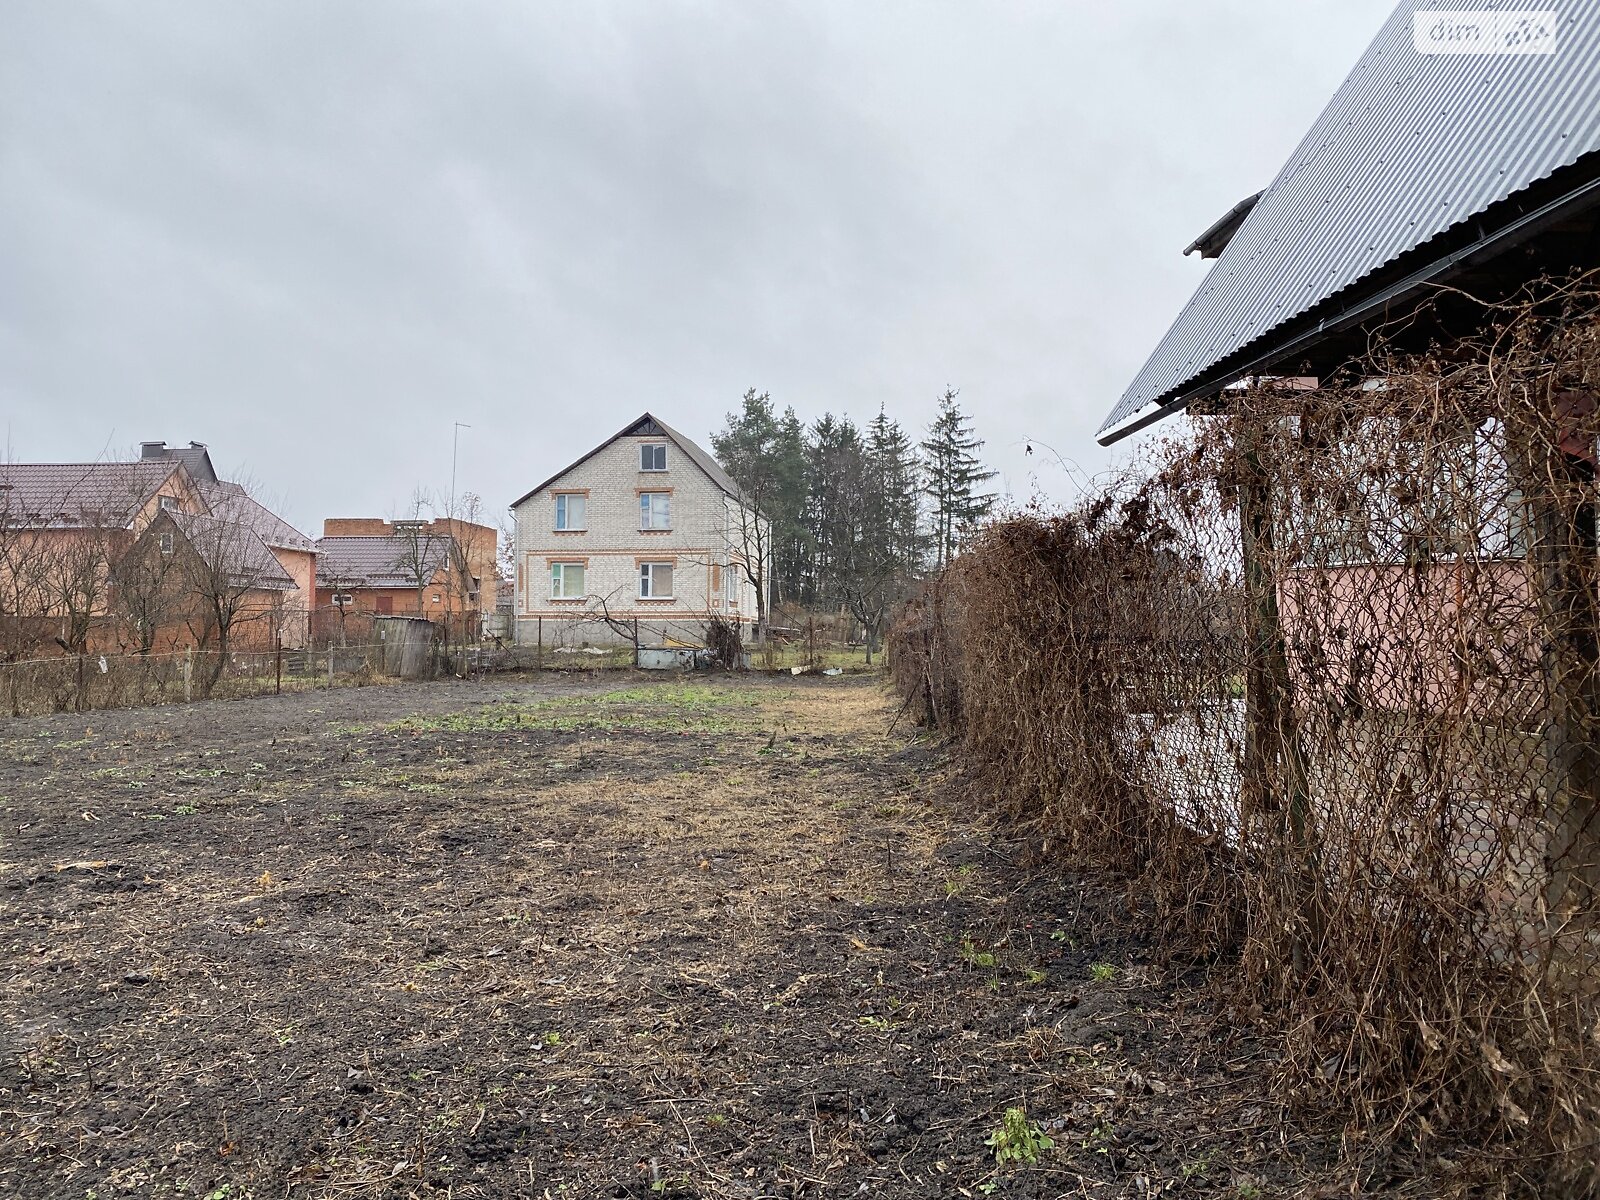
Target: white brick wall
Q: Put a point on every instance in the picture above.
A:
(700, 543)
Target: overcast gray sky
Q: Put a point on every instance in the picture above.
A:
(315, 234)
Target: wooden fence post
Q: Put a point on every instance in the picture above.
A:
(277, 659)
(636, 643)
(1273, 775)
(188, 674)
(538, 652)
(1557, 480)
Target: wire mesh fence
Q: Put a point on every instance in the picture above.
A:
(80, 683)
(1324, 677)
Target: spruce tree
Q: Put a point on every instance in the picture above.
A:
(952, 475)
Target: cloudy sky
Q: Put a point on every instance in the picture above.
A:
(316, 234)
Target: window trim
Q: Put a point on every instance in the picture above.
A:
(551, 566)
(644, 568)
(646, 509)
(562, 501)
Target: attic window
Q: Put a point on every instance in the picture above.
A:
(168, 503)
(166, 543)
(653, 456)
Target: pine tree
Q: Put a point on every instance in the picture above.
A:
(952, 473)
(834, 485)
(895, 520)
(878, 523)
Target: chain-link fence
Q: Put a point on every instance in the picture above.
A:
(79, 683)
(1324, 678)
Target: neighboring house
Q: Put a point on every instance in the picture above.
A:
(293, 550)
(436, 569)
(66, 529)
(62, 526)
(195, 579)
(645, 527)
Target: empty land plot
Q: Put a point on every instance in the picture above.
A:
(724, 938)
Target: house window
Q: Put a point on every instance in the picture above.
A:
(730, 585)
(566, 581)
(572, 511)
(168, 503)
(166, 543)
(653, 457)
(655, 510)
(436, 597)
(655, 581)
(343, 599)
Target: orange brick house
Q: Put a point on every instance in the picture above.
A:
(436, 569)
(66, 530)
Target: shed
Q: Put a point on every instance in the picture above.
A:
(408, 646)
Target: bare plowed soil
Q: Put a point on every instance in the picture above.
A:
(630, 938)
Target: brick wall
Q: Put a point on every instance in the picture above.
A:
(612, 547)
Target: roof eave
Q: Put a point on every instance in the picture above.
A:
(1298, 337)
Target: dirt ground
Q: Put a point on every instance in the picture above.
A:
(625, 937)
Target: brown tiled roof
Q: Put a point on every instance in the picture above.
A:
(231, 501)
(194, 456)
(378, 562)
(235, 546)
(79, 495)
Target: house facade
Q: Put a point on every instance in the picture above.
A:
(294, 553)
(66, 530)
(370, 567)
(645, 528)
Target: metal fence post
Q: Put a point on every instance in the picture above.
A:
(277, 662)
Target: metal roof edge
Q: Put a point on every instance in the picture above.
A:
(1503, 238)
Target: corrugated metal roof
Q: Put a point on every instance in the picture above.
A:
(1411, 145)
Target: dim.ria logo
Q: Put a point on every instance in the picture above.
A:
(1474, 31)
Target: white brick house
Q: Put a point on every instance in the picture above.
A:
(646, 527)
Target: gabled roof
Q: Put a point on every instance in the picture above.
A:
(647, 426)
(231, 501)
(1417, 158)
(102, 495)
(234, 546)
(194, 456)
(379, 562)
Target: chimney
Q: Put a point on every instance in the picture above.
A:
(152, 449)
